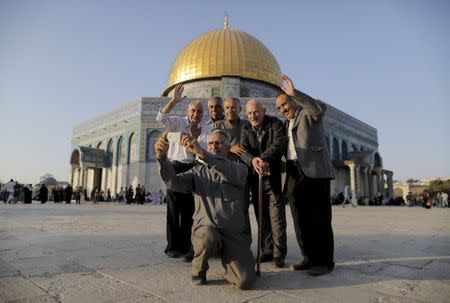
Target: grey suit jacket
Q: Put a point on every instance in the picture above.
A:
(309, 137)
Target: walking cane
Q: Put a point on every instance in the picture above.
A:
(260, 202)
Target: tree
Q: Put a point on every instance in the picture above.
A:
(439, 185)
(410, 181)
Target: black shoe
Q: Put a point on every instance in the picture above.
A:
(304, 265)
(278, 262)
(188, 257)
(319, 270)
(199, 280)
(173, 254)
(266, 258)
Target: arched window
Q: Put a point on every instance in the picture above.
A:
(344, 150)
(132, 149)
(109, 153)
(327, 139)
(100, 145)
(336, 155)
(119, 151)
(376, 160)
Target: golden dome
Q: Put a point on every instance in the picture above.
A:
(225, 52)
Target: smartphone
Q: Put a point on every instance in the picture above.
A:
(174, 137)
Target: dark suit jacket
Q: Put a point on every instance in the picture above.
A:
(309, 137)
(272, 148)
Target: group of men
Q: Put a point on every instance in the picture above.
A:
(213, 171)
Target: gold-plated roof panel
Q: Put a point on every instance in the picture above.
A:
(225, 52)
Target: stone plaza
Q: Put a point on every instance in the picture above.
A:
(114, 253)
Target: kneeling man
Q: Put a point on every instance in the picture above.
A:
(220, 222)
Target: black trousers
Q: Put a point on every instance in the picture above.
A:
(273, 225)
(309, 200)
(180, 208)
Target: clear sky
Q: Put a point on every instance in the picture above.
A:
(384, 62)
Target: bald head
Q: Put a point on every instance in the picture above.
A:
(255, 113)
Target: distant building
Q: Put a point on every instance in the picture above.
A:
(115, 149)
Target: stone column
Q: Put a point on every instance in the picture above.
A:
(330, 137)
(71, 173)
(357, 184)
(352, 167)
(81, 177)
(382, 190)
(103, 184)
(390, 184)
(366, 182)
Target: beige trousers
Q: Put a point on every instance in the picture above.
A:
(234, 248)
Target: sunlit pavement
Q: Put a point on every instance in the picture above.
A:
(114, 253)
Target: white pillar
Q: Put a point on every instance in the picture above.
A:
(390, 184)
(330, 137)
(71, 173)
(352, 167)
(366, 182)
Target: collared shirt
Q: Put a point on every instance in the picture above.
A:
(232, 129)
(291, 151)
(181, 124)
(218, 185)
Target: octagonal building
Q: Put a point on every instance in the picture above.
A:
(115, 149)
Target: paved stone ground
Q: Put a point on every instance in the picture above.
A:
(113, 253)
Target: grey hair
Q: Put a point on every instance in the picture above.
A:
(217, 98)
(192, 103)
(234, 99)
(224, 135)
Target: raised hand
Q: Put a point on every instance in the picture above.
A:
(191, 145)
(288, 86)
(178, 94)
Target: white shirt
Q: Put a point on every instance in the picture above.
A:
(291, 152)
(181, 124)
(10, 186)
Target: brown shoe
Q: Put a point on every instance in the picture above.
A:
(304, 265)
(199, 280)
(266, 258)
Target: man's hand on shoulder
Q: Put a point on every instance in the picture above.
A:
(237, 149)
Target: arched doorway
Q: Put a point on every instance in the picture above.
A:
(108, 184)
(377, 160)
(75, 163)
(152, 137)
